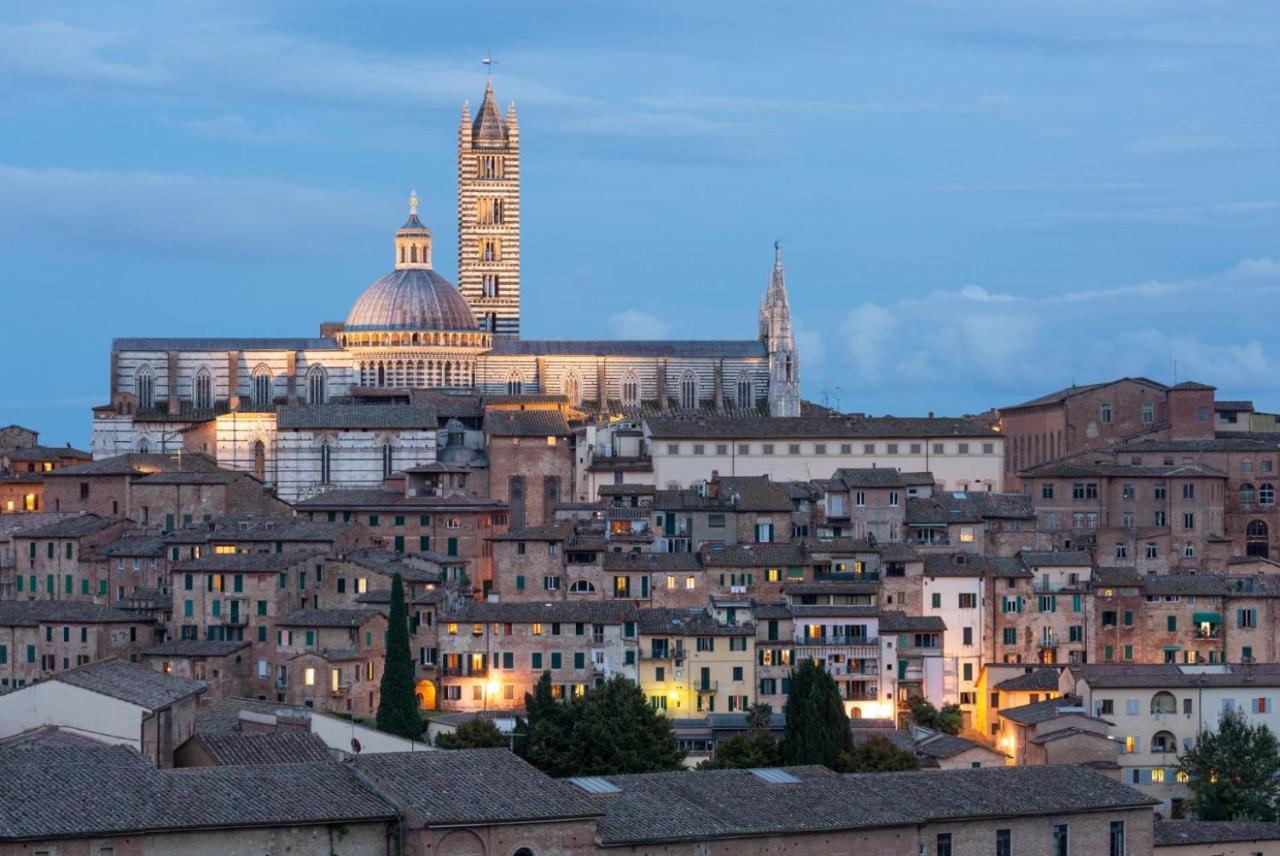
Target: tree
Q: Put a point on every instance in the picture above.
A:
(817, 729)
(743, 751)
(478, 733)
(948, 720)
(397, 703)
(541, 732)
(1234, 771)
(877, 755)
(608, 730)
(759, 716)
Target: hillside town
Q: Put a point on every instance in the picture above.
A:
(1036, 611)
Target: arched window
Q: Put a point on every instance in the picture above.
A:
(260, 461)
(1266, 494)
(1163, 742)
(573, 388)
(324, 462)
(746, 399)
(144, 445)
(448, 374)
(1247, 495)
(582, 587)
(515, 383)
(1256, 539)
(630, 390)
(787, 367)
(261, 385)
(689, 391)
(316, 385)
(202, 394)
(1164, 702)
(388, 463)
(145, 388)
(382, 375)
(1189, 550)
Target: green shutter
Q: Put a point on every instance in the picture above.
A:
(519, 582)
(452, 548)
(18, 580)
(579, 660)
(537, 659)
(311, 638)
(556, 659)
(1172, 623)
(399, 541)
(424, 543)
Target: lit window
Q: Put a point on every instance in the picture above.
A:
(689, 582)
(309, 677)
(966, 535)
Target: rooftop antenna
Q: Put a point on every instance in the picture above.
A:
(1175, 371)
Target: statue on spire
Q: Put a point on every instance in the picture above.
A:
(413, 202)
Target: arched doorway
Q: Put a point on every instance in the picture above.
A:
(1256, 539)
(260, 461)
(426, 693)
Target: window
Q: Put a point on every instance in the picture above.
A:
(968, 600)
(1188, 490)
(1148, 412)
(324, 463)
(317, 383)
(630, 389)
(689, 391)
(145, 388)
(1046, 490)
(572, 387)
(1004, 842)
(261, 385)
(745, 397)
(515, 383)
(943, 847)
(202, 390)
(1266, 494)
(1122, 550)
(1060, 842)
(1188, 521)
(1105, 414)
(1117, 826)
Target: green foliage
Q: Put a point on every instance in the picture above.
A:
(397, 704)
(948, 720)
(817, 729)
(1234, 771)
(759, 716)
(608, 730)
(743, 751)
(478, 733)
(876, 755)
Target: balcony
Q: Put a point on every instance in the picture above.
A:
(466, 670)
(824, 649)
(706, 686)
(663, 654)
(340, 691)
(1050, 641)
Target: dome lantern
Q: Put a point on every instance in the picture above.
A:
(413, 240)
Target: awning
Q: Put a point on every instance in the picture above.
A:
(1207, 617)
(1172, 648)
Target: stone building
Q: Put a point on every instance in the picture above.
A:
(696, 661)
(280, 408)
(530, 462)
(40, 638)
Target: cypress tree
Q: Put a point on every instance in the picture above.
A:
(817, 730)
(398, 705)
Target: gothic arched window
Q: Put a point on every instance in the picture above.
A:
(689, 391)
(745, 397)
(145, 387)
(261, 385)
(630, 390)
(316, 385)
(388, 460)
(515, 383)
(260, 461)
(202, 391)
(324, 462)
(573, 388)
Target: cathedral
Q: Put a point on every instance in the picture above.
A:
(286, 405)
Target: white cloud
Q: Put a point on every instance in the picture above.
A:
(188, 215)
(58, 52)
(972, 338)
(637, 324)
(238, 129)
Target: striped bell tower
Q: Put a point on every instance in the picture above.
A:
(489, 214)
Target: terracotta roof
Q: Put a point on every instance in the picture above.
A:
(973, 565)
(756, 493)
(134, 684)
(73, 527)
(1033, 680)
(688, 622)
(1175, 833)
(335, 617)
(1056, 558)
(244, 563)
(753, 556)
(370, 416)
(282, 747)
(195, 648)
(586, 612)
(1061, 395)
(1043, 711)
(29, 613)
(1159, 675)
(525, 423)
(818, 427)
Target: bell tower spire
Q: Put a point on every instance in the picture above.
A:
(489, 212)
(779, 342)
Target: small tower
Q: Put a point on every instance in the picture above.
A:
(489, 214)
(413, 240)
(775, 333)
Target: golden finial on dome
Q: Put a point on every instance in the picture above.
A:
(413, 201)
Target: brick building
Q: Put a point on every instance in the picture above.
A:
(530, 462)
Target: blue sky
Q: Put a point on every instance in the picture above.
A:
(978, 201)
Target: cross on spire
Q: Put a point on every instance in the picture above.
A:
(489, 62)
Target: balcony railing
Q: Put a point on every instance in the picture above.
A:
(464, 671)
(706, 686)
(663, 654)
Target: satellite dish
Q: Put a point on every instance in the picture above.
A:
(355, 745)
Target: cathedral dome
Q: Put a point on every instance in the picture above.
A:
(411, 298)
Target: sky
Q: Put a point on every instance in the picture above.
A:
(978, 202)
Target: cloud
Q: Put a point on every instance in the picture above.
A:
(187, 215)
(973, 339)
(637, 324)
(238, 129)
(58, 52)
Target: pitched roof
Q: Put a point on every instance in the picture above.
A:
(973, 565)
(654, 562)
(137, 463)
(1159, 675)
(939, 745)
(1239, 405)
(503, 346)
(756, 493)
(376, 498)
(587, 612)
(716, 804)
(1042, 711)
(389, 563)
(752, 555)
(87, 792)
(275, 747)
(222, 344)
(474, 787)
(196, 648)
(1174, 833)
(818, 427)
(73, 527)
(1033, 680)
(547, 532)
(893, 621)
(1058, 396)
(1056, 558)
(133, 684)
(1109, 470)
(688, 622)
(335, 617)
(244, 563)
(142, 546)
(947, 507)
(223, 715)
(525, 423)
(303, 416)
(869, 477)
(18, 613)
(830, 587)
